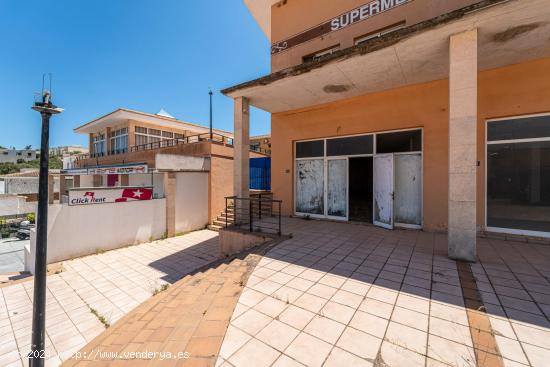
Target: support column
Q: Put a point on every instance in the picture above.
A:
(241, 148)
(170, 196)
(107, 141)
(50, 189)
(62, 186)
(463, 146)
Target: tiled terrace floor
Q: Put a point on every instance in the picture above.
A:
(352, 295)
(112, 283)
(12, 254)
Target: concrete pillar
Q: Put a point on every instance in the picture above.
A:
(131, 134)
(107, 141)
(62, 186)
(91, 143)
(50, 189)
(241, 148)
(463, 145)
(170, 195)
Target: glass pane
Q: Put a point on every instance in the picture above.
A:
(353, 145)
(520, 128)
(337, 186)
(307, 149)
(310, 189)
(408, 189)
(518, 186)
(399, 142)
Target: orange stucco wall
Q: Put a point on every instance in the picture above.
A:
(509, 91)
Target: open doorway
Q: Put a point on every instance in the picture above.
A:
(360, 189)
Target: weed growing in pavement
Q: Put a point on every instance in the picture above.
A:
(101, 318)
(161, 289)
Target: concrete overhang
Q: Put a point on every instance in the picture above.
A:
(510, 32)
(122, 115)
(261, 11)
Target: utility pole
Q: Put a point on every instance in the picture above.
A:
(210, 94)
(37, 355)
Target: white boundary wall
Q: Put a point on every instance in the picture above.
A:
(80, 230)
(191, 201)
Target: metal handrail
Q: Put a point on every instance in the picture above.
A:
(259, 213)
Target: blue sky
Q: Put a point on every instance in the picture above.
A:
(140, 54)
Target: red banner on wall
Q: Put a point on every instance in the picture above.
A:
(114, 195)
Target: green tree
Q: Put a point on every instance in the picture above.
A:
(8, 167)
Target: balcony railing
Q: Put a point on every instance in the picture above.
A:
(218, 138)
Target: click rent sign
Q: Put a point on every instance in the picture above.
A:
(114, 195)
(351, 17)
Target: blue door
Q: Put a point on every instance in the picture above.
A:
(260, 173)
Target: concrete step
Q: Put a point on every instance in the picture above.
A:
(213, 227)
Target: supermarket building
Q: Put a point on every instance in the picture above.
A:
(423, 114)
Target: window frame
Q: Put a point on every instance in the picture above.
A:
(521, 232)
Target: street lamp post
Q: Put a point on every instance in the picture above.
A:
(37, 354)
(210, 94)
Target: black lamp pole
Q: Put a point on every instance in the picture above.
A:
(37, 354)
(210, 94)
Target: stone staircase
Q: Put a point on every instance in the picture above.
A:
(220, 221)
(225, 217)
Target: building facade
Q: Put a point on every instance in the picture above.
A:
(134, 149)
(421, 114)
(18, 155)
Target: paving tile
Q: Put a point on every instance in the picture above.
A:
(532, 335)
(308, 350)
(271, 306)
(322, 290)
(277, 335)
(538, 357)
(393, 355)
(451, 330)
(410, 318)
(300, 284)
(511, 349)
(376, 307)
(340, 358)
(337, 312)
(296, 317)
(347, 298)
(449, 352)
(359, 343)
(382, 294)
(370, 324)
(254, 353)
(286, 361)
(325, 329)
(252, 322)
(310, 302)
(407, 337)
(413, 303)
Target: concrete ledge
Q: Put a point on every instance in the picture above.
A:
(234, 240)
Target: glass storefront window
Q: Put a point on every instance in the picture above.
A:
(518, 178)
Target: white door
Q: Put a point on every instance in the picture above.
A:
(337, 188)
(408, 190)
(383, 190)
